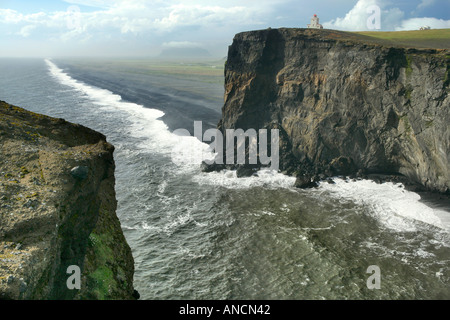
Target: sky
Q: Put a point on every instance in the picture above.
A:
(144, 28)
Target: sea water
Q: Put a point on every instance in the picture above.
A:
(198, 235)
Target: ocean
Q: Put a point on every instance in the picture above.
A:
(198, 235)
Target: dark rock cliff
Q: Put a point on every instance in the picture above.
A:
(343, 103)
(58, 209)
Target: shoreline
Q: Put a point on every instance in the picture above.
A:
(175, 119)
(181, 108)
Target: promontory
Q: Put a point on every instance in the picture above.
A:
(58, 212)
(345, 103)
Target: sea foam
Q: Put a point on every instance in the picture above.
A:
(390, 203)
(145, 123)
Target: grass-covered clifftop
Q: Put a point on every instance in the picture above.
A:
(57, 209)
(433, 38)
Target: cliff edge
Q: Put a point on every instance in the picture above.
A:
(58, 209)
(344, 103)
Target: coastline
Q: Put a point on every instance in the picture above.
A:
(174, 118)
(244, 211)
(181, 108)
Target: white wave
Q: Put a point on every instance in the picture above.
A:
(170, 227)
(145, 123)
(162, 187)
(228, 179)
(390, 203)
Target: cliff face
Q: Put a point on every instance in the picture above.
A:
(343, 103)
(57, 209)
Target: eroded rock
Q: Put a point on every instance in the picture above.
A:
(343, 103)
(48, 219)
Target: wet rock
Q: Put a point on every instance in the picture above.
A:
(245, 171)
(205, 167)
(305, 182)
(136, 294)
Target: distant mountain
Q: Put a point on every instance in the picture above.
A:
(185, 53)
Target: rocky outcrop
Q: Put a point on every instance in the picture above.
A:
(343, 103)
(57, 209)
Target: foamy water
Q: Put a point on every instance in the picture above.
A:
(201, 235)
(390, 203)
(145, 124)
(228, 179)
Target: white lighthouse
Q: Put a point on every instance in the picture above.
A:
(315, 23)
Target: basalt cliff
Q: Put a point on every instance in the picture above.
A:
(57, 210)
(343, 104)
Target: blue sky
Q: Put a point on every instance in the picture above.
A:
(145, 27)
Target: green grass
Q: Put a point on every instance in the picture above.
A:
(447, 73)
(104, 278)
(434, 38)
(408, 68)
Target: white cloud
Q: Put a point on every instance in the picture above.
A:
(425, 3)
(416, 23)
(10, 16)
(146, 25)
(26, 30)
(92, 3)
(182, 15)
(137, 16)
(391, 19)
(356, 18)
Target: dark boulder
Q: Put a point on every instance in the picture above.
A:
(305, 182)
(244, 171)
(205, 167)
